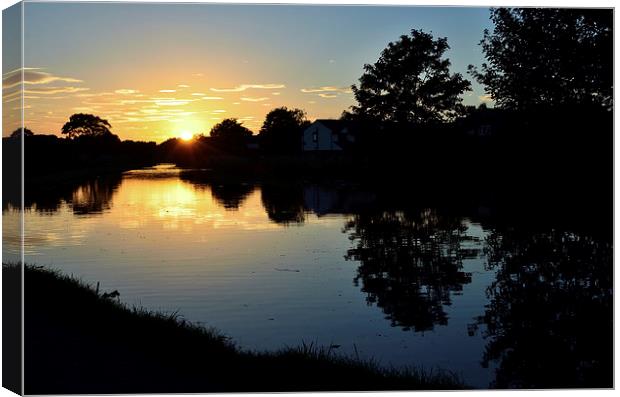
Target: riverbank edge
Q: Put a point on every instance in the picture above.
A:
(81, 340)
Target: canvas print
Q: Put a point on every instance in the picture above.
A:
(203, 198)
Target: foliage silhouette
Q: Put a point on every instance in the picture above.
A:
(18, 132)
(410, 263)
(230, 129)
(549, 321)
(281, 130)
(230, 136)
(548, 57)
(86, 125)
(410, 83)
(186, 154)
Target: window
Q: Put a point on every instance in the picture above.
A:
(315, 136)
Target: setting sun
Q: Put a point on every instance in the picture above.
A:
(187, 136)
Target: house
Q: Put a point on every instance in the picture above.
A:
(482, 122)
(330, 135)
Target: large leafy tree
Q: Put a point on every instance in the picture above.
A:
(87, 125)
(281, 130)
(548, 57)
(230, 129)
(411, 82)
(230, 136)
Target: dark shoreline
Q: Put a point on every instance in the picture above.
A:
(78, 341)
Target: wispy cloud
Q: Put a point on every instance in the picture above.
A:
(20, 108)
(11, 95)
(485, 98)
(324, 95)
(172, 102)
(167, 90)
(198, 94)
(126, 91)
(32, 76)
(54, 90)
(344, 90)
(212, 98)
(92, 94)
(244, 87)
(12, 85)
(250, 99)
(183, 86)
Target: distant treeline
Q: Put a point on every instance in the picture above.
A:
(486, 140)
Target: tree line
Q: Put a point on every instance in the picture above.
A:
(277, 135)
(548, 71)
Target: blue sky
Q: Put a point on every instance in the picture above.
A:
(112, 59)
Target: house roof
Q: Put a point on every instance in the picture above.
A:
(339, 125)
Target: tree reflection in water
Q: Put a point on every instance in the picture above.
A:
(231, 195)
(85, 196)
(549, 320)
(284, 203)
(410, 263)
(95, 195)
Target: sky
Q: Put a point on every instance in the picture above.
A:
(156, 71)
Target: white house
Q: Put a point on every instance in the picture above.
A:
(328, 135)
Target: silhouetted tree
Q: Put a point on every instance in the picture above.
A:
(230, 129)
(18, 132)
(548, 56)
(281, 130)
(347, 115)
(88, 125)
(230, 135)
(410, 82)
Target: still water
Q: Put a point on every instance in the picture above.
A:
(275, 264)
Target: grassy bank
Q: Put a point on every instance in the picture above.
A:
(79, 341)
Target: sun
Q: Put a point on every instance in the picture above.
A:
(186, 136)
